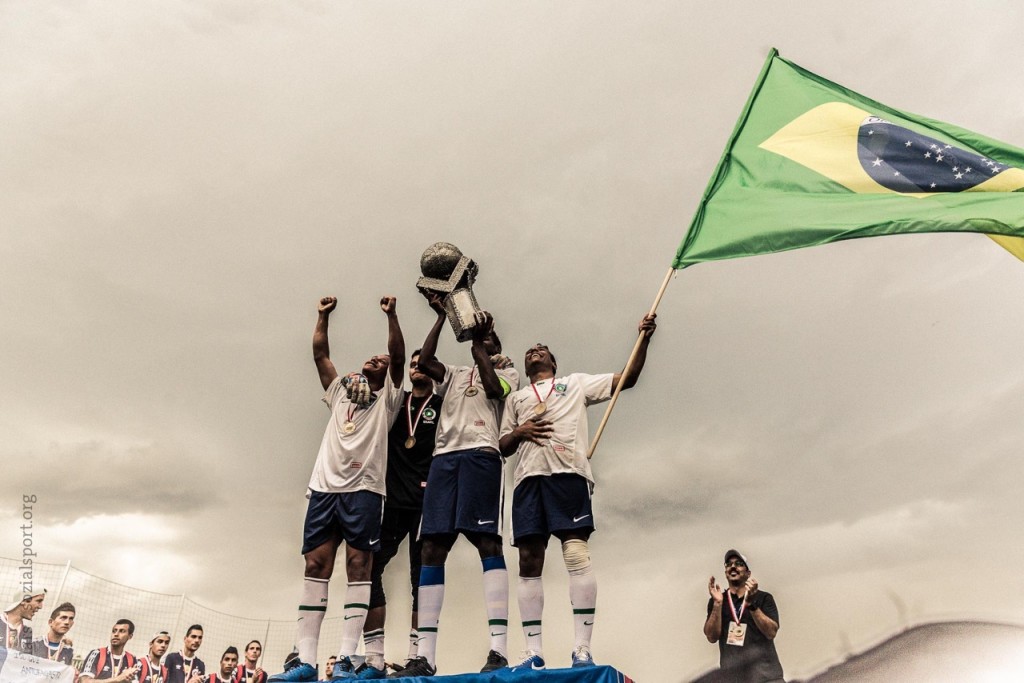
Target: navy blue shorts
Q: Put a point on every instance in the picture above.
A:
(546, 505)
(352, 517)
(396, 526)
(465, 493)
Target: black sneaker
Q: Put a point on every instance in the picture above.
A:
(494, 661)
(417, 666)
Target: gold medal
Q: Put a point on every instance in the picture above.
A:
(410, 442)
(540, 408)
(472, 391)
(349, 427)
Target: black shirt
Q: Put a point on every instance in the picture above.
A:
(756, 660)
(408, 467)
(41, 649)
(178, 671)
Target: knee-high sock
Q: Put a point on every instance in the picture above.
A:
(357, 604)
(431, 597)
(311, 615)
(496, 599)
(531, 608)
(583, 596)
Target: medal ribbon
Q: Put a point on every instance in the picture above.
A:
(537, 393)
(471, 374)
(732, 607)
(408, 413)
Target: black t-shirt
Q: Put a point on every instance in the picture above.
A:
(178, 671)
(41, 648)
(101, 664)
(756, 660)
(408, 467)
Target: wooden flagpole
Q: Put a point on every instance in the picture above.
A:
(629, 364)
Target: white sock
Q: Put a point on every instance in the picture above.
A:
(496, 599)
(531, 608)
(583, 596)
(311, 615)
(431, 598)
(357, 604)
(414, 643)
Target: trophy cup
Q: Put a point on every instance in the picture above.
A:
(448, 272)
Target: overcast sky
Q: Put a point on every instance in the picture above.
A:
(182, 182)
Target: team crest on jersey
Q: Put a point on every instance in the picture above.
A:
(429, 414)
(560, 388)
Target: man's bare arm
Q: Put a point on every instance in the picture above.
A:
(321, 346)
(535, 431)
(396, 341)
(713, 624)
(429, 365)
(488, 377)
(647, 327)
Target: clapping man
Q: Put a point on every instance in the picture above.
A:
(743, 620)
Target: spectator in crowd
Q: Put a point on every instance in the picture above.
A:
(228, 667)
(23, 606)
(152, 671)
(56, 646)
(185, 666)
(113, 663)
(249, 671)
(331, 661)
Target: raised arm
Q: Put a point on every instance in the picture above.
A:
(396, 342)
(321, 347)
(713, 624)
(488, 377)
(632, 374)
(429, 364)
(758, 604)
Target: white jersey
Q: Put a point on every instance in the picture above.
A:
(566, 398)
(355, 460)
(469, 421)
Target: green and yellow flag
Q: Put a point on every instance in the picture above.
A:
(811, 162)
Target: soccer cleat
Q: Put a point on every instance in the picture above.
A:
(296, 672)
(495, 661)
(532, 662)
(417, 666)
(369, 672)
(343, 670)
(581, 657)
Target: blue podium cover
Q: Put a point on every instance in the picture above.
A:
(590, 674)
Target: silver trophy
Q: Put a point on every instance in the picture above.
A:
(448, 272)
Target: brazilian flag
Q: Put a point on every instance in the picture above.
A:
(811, 162)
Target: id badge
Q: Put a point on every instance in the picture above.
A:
(737, 632)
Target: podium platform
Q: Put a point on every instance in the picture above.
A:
(590, 674)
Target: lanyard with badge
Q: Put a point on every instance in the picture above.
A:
(737, 631)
